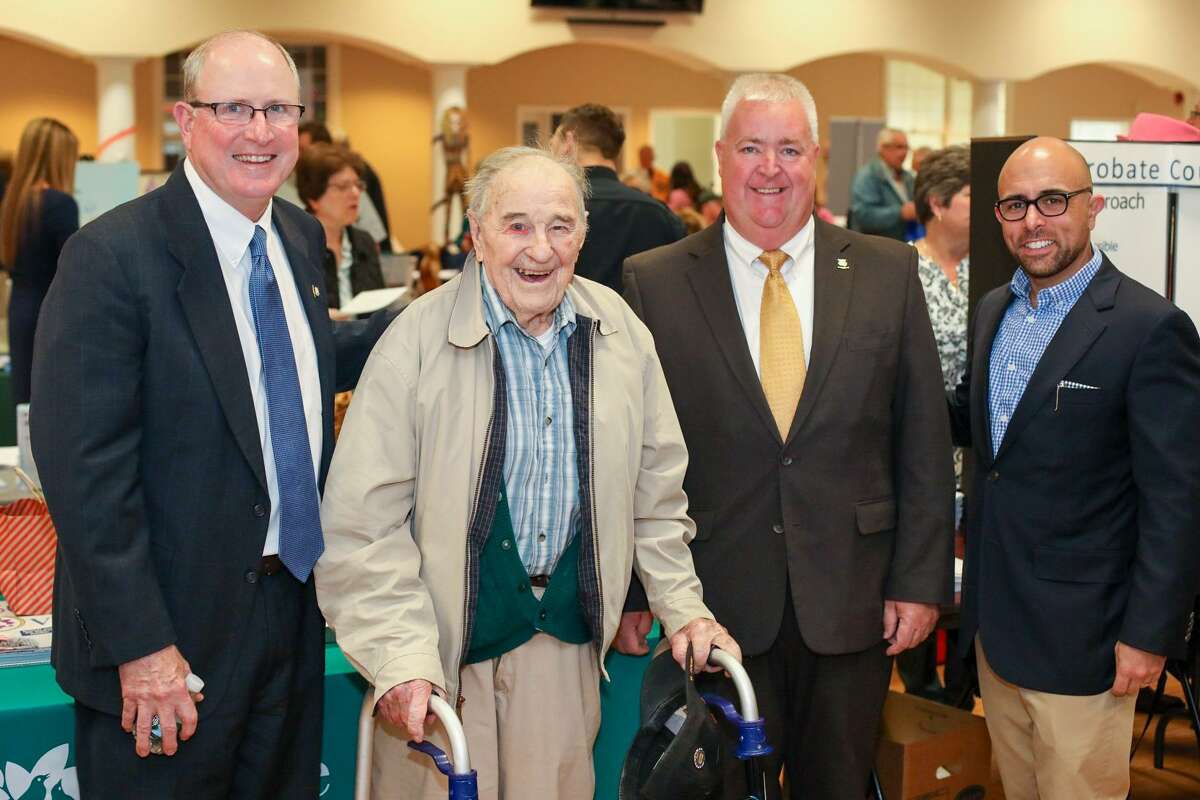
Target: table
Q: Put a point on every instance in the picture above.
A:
(37, 726)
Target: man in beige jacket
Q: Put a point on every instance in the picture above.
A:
(511, 454)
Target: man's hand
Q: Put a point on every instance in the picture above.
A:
(908, 211)
(1135, 669)
(906, 625)
(703, 634)
(157, 685)
(631, 634)
(407, 706)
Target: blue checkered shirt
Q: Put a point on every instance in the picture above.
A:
(541, 475)
(1023, 337)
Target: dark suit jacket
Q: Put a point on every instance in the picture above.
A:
(365, 270)
(874, 203)
(148, 448)
(1085, 526)
(621, 222)
(855, 505)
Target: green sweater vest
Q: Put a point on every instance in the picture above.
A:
(507, 614)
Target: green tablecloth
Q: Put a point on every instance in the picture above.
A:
(37, 728)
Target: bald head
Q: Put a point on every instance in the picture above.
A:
(1045, 154)
(1046, 189)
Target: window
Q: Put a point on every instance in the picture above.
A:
(1099, 130)
(933, 109)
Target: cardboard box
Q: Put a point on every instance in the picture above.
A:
(928, 751)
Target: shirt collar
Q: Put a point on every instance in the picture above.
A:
(497, 314)
(231, 230)
(1066, 292)
(747, 252)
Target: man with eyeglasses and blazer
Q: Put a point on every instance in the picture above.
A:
(183, 384)
(1081, 402)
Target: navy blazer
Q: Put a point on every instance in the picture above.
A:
(1084, 528)
(148, 447)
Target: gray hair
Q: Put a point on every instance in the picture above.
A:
(194, 63)
(770, 87)
(479, 186)
(943, 174)
(886, 134)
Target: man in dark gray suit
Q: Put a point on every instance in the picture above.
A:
(182, 425)
(803, 368)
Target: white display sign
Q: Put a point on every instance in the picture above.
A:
(100, 187)
(1143, 163)
(1132, 232)
(1187, 253)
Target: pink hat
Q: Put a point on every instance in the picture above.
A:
(1159, 128)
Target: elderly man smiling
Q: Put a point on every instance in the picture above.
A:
(511, 453)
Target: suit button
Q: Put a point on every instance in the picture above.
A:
(993, 476)
(251, 576)
(786, 461)
(505, 544)
(542, 615)
(777, 527)
(260, 510)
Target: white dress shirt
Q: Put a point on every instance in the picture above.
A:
(231, 232)
(748, 275)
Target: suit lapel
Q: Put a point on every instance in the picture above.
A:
(308, 279)
(1074, 337)
(991, 312)
(709, 276)
(832, 288)
(205, 302)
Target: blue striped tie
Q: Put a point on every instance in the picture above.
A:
(300, 540)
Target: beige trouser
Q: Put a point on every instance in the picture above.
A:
(531, 718)
(1057, 746)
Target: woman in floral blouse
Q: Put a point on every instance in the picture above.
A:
(942, 195)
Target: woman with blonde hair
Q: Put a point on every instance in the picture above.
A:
(37, 216)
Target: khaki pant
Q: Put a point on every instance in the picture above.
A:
(531, 718)
(1054, 746)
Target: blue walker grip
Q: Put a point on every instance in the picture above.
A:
(462, 787)
(752, 734)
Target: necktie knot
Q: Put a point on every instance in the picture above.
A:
(258, 242)
(773, 260)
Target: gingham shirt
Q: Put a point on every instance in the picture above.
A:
(1023, 337)
(541, 475)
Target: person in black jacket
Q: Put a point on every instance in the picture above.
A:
(621, 221)
(37, 218)
(328, 178)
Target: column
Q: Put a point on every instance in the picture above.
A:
(115, 117)
(449, 87)
(990, 112)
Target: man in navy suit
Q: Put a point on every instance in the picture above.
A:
(183, 383)
(1082, 555)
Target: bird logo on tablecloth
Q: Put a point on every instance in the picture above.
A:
(49, 779)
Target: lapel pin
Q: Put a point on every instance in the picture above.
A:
(843, 264)
(316, 292)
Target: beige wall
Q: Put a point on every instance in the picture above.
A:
(987, 40)
(387, 111)
(35, 82)
(581, 73)
(148, 112)
(1047, 104)
(844, 86)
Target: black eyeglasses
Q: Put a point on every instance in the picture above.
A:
(281, 115)
(1050, 204)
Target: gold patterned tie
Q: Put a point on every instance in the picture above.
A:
(780, 344)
